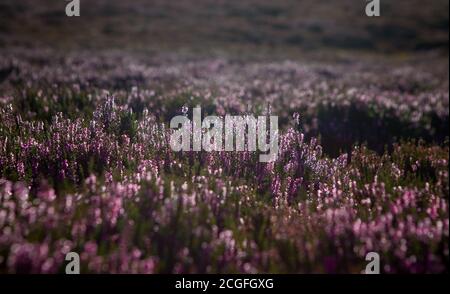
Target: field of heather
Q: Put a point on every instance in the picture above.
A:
(86, 165)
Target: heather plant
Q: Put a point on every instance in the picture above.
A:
(86, 166)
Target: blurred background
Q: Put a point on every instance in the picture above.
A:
(223, 25)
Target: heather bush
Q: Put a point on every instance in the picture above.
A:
(86, 166)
